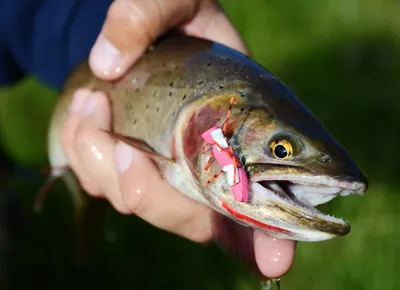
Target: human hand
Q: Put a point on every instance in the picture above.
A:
(124, 176)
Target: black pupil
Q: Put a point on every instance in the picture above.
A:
(280, 151)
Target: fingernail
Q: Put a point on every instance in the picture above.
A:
(105, 57)
(124, 155)
(78, 99)
(89, 105)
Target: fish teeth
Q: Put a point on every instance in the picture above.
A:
(346, 192)
(260, 192)
(276, 188)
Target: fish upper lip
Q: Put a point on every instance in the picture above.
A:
(356, 187)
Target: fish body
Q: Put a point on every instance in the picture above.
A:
(182, 87)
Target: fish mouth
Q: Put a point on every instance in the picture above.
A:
(294, 201)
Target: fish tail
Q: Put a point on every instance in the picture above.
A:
(89, 211)
(53, 174)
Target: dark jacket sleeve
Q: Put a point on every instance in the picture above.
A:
(47, 38)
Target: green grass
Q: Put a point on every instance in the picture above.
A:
(342, 58)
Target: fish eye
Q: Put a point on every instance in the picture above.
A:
(281, 149)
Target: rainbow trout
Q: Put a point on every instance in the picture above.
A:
(182, 87)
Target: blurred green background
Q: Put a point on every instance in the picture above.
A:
(342, 59)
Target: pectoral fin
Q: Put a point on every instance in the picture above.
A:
(141, 146)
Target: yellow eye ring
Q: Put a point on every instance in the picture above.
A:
(281, 149)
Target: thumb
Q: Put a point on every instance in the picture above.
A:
(130, 27)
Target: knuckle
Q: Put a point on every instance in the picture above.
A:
(82, 138)
(198, 230)
(200, 236)
(90, 188)
(120, 207)
(134, 201)
(131, 16)
(116, 10)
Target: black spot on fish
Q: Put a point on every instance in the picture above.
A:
(137, 90)
(134, 122)
(154, 94)
(221, 87)
(171, 84)
(147, 106)
(184, 97)
(158, 109)
(243, 69)
(209, 64)
(241, 109)
(242, 94)
(200, 83)
(170, 94)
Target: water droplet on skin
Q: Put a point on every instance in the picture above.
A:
(96, 152)
(276, 256)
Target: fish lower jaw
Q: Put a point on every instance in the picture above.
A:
(306, 235)
(261, 192)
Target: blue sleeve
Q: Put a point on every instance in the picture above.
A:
(47, 38)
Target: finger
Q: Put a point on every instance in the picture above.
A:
(130, 27)
(95, 150)
(212, 23)
(68, 134)
(274, 256)
(157, 202)
(153, 199)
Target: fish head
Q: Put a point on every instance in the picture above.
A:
(293, 164)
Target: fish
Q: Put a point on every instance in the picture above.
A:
(181, 87)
